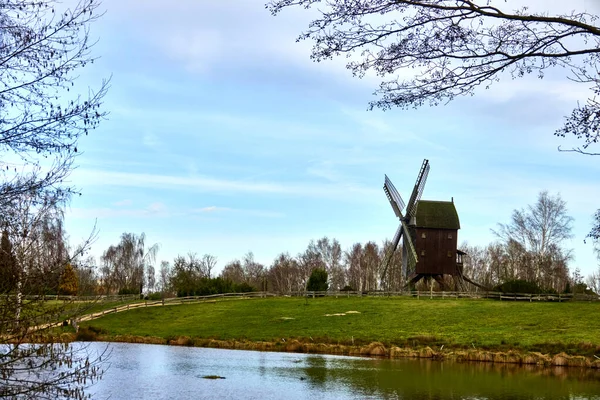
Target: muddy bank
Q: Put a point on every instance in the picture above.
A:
(516, 357)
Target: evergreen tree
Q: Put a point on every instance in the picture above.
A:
(8, 265)
(68, 281)
(317, 281)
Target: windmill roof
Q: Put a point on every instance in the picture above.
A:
(436, 214)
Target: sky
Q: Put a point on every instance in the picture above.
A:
(224, 137)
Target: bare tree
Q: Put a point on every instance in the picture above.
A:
(234, 272)
(533, 241)
(394, 278)
(330, 253)
(208, 262)
(353, 260)
(308, 261)
(284, 274)
(254, 272)
(125, 263)
(87, 276)
(540, 226)
(372, 262)
(163, 276)
(476, 264)
(595, 232)
(42, 116)
(450, 47)
(31, 367)
(150, 278)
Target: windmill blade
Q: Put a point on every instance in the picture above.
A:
(410, 248)
(418, 189)
(393, 197)
(392, 249)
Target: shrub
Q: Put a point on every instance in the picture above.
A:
(317, 281)
(68, 281)
(154, 296)
(518, 286)
(244, 288)
(126, 291)
(88, 334)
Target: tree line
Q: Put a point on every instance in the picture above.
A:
(530, 247)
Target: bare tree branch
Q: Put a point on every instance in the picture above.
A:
(452, 47)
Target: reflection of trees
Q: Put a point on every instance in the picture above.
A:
(426, 380)
(316, 370)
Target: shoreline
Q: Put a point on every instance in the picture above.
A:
(374, 349)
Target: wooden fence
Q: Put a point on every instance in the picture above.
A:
(558, 297)
(414, 294)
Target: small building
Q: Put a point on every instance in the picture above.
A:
(435, 231)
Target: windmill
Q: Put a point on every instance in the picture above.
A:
(429, 234)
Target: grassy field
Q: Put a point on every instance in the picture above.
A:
(573, 327)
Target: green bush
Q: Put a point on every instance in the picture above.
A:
(208, 286)
(317, 281)
(154, 296)
(244, 288)
(126, 291)
(518, 286)
(88, 334)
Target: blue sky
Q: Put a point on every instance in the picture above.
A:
(223, 138)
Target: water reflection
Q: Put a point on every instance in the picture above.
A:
(163, 372)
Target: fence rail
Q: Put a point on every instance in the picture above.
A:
(309, 294)
(415, 294)
(103, 298)
(559, 297)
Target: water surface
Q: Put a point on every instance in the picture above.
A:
(140, 371)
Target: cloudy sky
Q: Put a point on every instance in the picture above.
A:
(223, 138)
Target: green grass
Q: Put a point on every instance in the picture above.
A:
(573, 327)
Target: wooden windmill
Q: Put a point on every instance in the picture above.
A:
(429, 230)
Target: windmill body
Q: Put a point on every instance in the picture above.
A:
(435, 230)
(429, 234)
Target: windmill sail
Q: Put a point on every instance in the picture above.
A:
(391, 250)
(393, 197)
(412, 253)
(418, 189)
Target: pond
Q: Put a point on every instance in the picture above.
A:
(141, 371)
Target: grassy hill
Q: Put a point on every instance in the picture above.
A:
(572, 327)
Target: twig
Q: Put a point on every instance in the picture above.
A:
(578, 150)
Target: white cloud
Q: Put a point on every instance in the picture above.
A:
(208, 184)
(238, 211)
(198, 49)
(153, 210)
(211, 209)
(151, 140)
(122, 203)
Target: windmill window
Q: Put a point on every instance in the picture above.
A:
(423, 235)
(449, 254)
(422, 252)
(449, 236)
